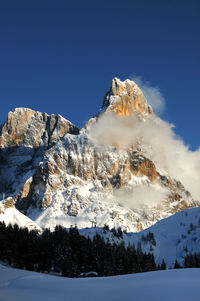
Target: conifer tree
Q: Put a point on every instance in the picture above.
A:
(163, 265)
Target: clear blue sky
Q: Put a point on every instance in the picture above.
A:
(60, 56)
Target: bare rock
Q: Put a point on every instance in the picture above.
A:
(25, 127)
(125, 98)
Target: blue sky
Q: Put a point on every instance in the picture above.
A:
(60, 56)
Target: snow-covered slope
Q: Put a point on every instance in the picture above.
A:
(175, 285)
(175, 237)
(13, 216)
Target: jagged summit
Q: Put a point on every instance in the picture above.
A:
(26, 127)
(125, 98)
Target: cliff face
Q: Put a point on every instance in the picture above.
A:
(56, 175)
(125, 99)
(25, 127)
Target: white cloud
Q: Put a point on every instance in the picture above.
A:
(152, 94)
(141, 196)
(158, 142)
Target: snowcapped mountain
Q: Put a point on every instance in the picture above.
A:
(112, 171)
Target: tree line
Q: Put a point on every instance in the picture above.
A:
(71, 254)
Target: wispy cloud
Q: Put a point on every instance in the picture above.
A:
(151, 93)
(157, 139)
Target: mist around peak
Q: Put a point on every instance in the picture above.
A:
(155, 139)
(141, 197)
(151, 93)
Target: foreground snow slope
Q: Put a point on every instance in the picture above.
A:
(179, 285)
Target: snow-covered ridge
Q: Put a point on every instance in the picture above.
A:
(13, 216)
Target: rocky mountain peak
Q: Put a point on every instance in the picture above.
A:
(26, 127)
(53, 174)
(125, 98)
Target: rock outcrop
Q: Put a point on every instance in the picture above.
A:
(25, 127)
(125, 98)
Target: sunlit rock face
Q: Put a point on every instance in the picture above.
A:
(125, 98)
(25, 127)
(55, 174)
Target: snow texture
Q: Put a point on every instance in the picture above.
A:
(179, 285)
